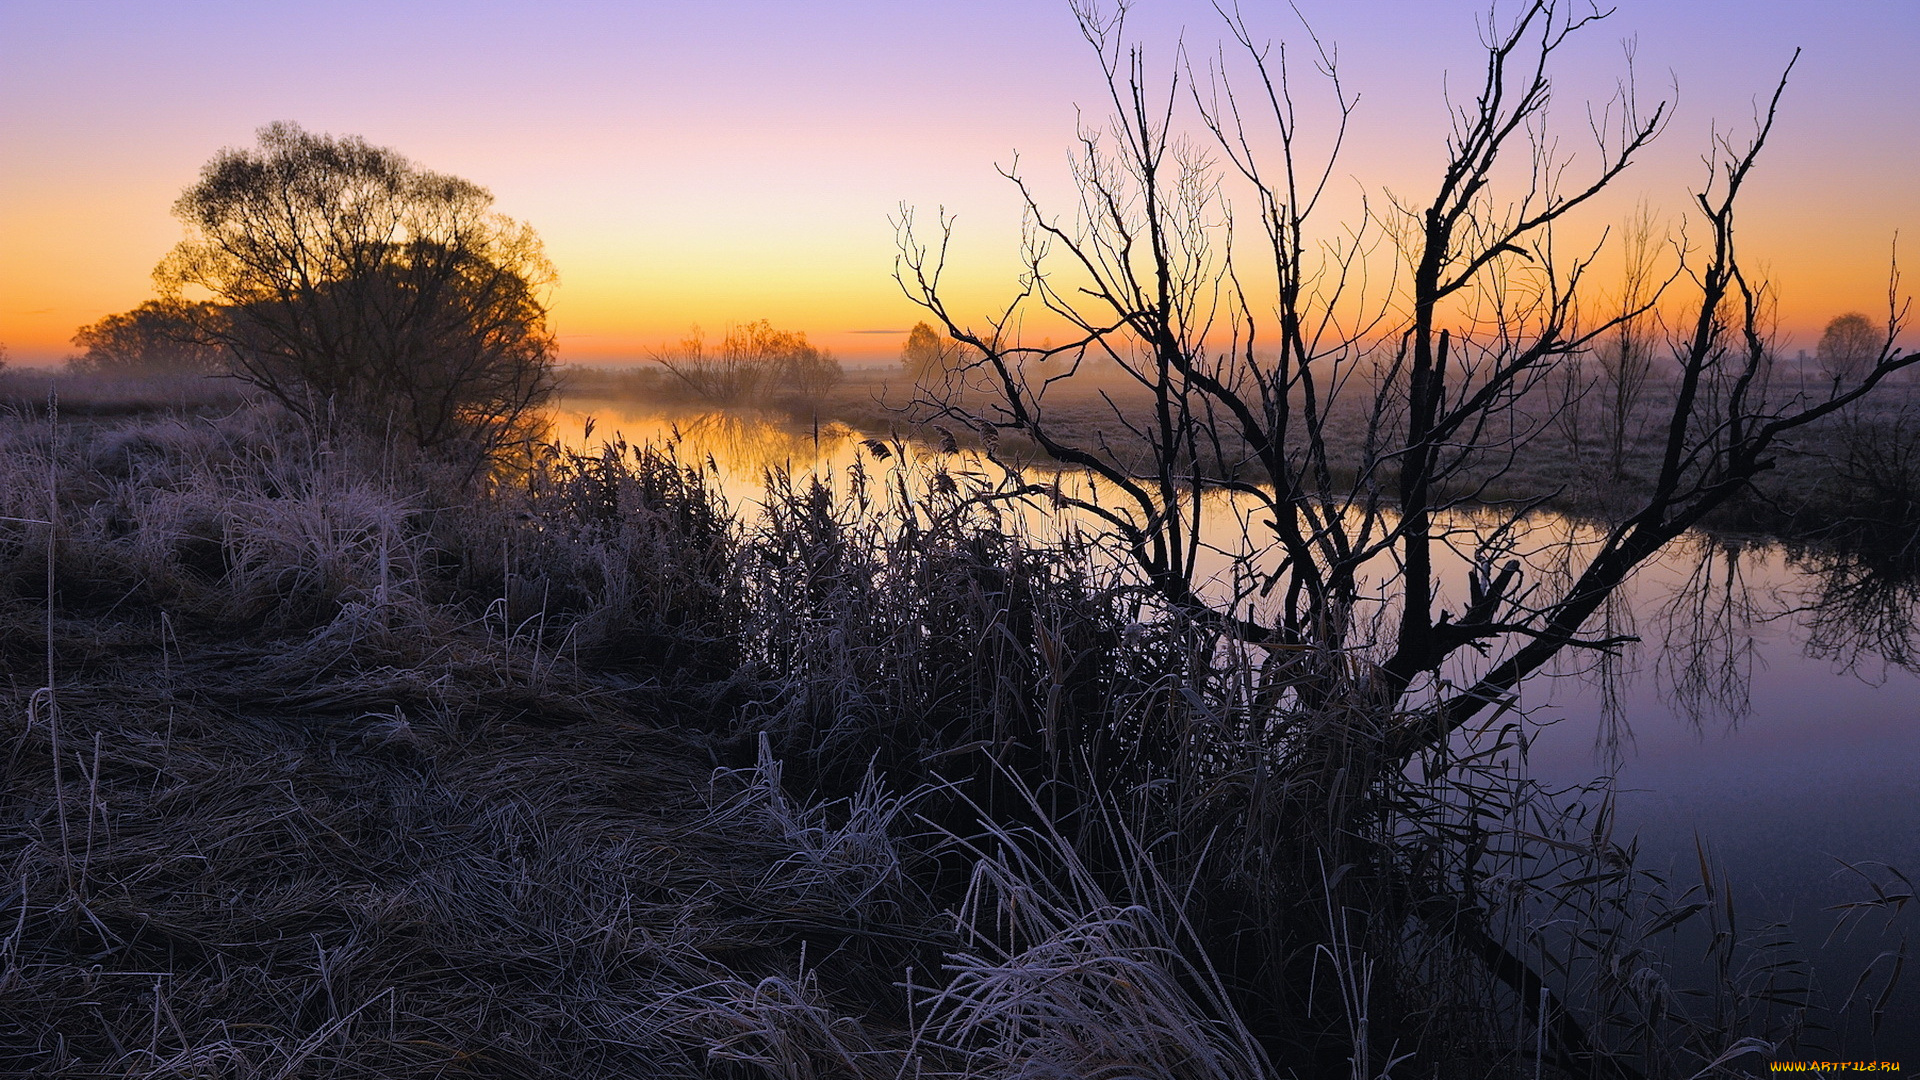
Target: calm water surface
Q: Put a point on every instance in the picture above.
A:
(1743, 722)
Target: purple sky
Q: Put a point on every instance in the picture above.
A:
(719, 162)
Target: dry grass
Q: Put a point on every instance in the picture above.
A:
(332, 813)
(342, 768)
(290, 863)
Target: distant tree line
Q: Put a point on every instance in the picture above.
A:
(752, 364)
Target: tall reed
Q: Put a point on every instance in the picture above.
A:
(577, 771)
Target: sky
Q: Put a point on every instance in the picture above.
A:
(707, 163)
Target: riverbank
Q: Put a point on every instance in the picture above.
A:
(322, 763)
(284, 796)
(1849, 486)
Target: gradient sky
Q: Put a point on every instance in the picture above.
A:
(723, 161)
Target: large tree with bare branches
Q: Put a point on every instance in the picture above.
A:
(1364, 397)
(1260, 360)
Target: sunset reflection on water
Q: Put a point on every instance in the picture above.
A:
(1733, 723)
(740, 447)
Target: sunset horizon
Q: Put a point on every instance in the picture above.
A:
(1204, 539)
(727, 164)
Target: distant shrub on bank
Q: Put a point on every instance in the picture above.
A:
(753, 364)
(158, 338)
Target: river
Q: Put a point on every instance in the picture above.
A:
(1751, 721)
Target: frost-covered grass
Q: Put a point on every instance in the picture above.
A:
(349, 763)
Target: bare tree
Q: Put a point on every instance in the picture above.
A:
(753, 363)
(1848, 347)
(1626, 357)
(351, 282)
(1367, 399)
(1251, 393)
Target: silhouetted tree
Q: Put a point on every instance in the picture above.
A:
(1626, 357)
(1371, 438)
(1246, 391)
(1849, 346)
(158, 337)
(355, 283)
(930, 355)
(753, 363)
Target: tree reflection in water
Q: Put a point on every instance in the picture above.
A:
(1861, 605)
(1852, 603)
(1706, 635)
(1855, 606)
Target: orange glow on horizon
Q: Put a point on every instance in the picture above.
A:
(683, 170)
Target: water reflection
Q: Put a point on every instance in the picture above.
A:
(740, 447)
(1707, 647)
(1861, 606)
(1698, 604)
(1737, 717)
